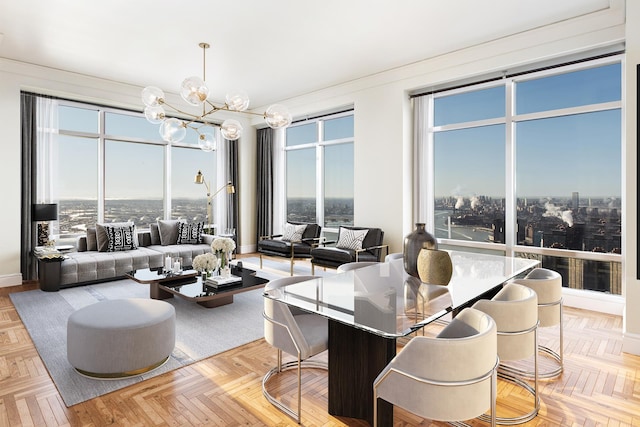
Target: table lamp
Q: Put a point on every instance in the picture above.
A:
(42, 214)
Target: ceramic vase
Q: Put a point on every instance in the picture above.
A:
(434, 267)
(413, 243)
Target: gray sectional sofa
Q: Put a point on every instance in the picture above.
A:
(93, 262)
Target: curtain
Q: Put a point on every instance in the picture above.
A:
(28, 184)
(264, 168)
(423, 174)
(39, 130)
(231, 217)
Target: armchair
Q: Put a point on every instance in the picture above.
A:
(354, 244)
(296, 242)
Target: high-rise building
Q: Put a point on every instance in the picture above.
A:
(575, 200)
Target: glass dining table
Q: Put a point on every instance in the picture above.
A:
(370, 308)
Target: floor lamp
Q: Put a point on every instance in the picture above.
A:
(199, 179)
(42, 214)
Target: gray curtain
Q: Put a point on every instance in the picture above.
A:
(232, 204)
(28, 265)
(264, 174)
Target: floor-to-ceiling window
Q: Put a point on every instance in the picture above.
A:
(531, 165)
(112, 165)
(319, 171)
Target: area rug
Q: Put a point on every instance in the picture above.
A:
(200, 332)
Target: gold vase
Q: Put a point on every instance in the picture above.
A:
(434, 266)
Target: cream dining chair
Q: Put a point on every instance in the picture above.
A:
(295, 332)
(548, 285)
(451, 377)
(515, 311)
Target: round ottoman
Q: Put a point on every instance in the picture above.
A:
(120, 338)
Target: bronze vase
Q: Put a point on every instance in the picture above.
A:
(413, 243)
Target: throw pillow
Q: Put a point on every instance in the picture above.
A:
(121, 238)
(168, 229)
(102, 240)
(351, 239)
(293, 232)
(155, 234)
(190, 233)
(92, 242)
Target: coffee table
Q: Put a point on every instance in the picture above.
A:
(189, 285)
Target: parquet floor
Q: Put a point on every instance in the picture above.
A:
(600, 386)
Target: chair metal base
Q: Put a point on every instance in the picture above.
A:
(285, 367)
(553, 373)
(503, 372)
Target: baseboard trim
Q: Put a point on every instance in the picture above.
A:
(631, 343)
(594, 301)
(10, 280)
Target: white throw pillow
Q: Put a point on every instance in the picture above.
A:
(351, 239)
(293, 232)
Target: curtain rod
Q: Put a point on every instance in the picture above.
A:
(516, 74)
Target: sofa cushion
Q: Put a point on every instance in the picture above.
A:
(293, 232)
(121, 238)
(168, 229)
(351, 239)
(92, 242)
(155, 234)
(101, 234)
(190, 233)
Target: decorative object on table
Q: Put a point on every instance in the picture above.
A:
(205, 263)
(199, 179)
(176, 264)
(42, 213)
(222, 247)
(221, 281)
(434, 266)
(194, 91)
(413, 243)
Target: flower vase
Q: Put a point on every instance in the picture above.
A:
(225, 271)
(414, 242)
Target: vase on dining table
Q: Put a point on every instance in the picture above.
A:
(414, 242)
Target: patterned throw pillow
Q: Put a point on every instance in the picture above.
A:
(190, 233)
(293, 232)
(121, 238)
(351, 239)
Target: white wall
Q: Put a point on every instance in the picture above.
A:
(382, 129)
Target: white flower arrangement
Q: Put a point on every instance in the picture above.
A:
(223, 244)
(205, 262)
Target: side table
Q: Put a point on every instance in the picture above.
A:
(49, 269)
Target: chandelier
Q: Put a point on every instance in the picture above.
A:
(194, 91)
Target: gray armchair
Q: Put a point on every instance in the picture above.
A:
(354, 244)
(298, 247)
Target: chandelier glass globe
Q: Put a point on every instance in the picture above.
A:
(154, 114)
(194, 90)
(231, 129)
(207, 140)
(152, 96)
(173, 130)
(237, 101)
(277, 116)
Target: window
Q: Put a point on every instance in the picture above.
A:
(111, 165)
(532, 166)
(319, 171)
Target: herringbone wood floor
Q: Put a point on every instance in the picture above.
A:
(600, 386)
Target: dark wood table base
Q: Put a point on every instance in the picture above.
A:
(356, 357)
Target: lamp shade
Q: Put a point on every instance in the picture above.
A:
(45, 212)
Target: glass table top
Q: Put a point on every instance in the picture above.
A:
(385, 300)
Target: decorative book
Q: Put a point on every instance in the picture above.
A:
(218, 281)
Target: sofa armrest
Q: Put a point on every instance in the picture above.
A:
(81, 244)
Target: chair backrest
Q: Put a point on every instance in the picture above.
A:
(548, 286)
(354, 266)
(280, 327)
(311, 232)
(374, 237)
(514, 309)
(395, 255)
(465, 350)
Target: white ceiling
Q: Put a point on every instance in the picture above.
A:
(274, 49)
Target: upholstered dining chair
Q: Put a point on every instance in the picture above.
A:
(295, 332)
(354, 265)
(392, 256)
(451, 377)
(515, 311)
(548, 285)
